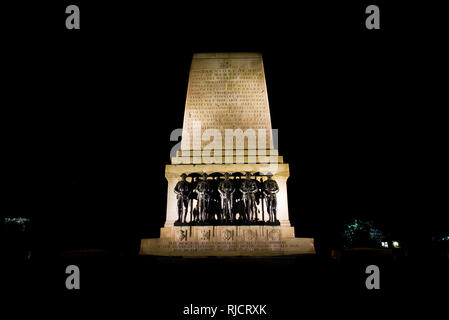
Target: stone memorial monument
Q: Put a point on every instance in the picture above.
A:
(227, 185)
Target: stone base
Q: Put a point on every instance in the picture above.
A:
(227, 241)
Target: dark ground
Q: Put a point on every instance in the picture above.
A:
(294, 286)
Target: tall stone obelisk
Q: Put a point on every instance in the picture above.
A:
(227, 128)
(226, 91)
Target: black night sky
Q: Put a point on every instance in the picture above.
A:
(359, 113)
(352, 113)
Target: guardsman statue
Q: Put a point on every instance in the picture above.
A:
(249, 189)
(226, 189)
(270, 189)
(182, 190)
(203, 192)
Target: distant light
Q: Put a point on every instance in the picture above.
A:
(384, 244)
(18, 220)
(396, 244)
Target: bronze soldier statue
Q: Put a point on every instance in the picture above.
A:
(194, 217)
(182, 190)
(262, 199)
(249, 189)
(203, 192)
(226, 189)
(270, 189)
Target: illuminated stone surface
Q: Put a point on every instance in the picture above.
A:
(227, 241)
(227, 91)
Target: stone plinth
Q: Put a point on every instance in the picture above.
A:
(227, 233)
(227, 241)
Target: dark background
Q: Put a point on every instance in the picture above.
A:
(355, 110)
(89, 113)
